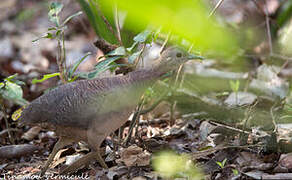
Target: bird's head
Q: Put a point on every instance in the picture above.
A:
(172, 58)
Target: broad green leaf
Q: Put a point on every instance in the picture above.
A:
(75, 66)
(98, 24)
(13, 92)
(285, 13)
(143, 36)
(120, 51)
(45, 77)
(186, 19)
(102, 66)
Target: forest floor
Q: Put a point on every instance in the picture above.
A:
(215, 130)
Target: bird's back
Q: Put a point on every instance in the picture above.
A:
(80, 103)
(86, 102)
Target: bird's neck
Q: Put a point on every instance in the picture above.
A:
(146, 76)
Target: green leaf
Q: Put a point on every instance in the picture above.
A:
(286, 117)
(120, 51)
(45, 77)
(10, 78)
(58, 32)
(130, 49)
(285, 13)
(235, 172)
(102, 66)
(18, 82)
(186, 20)
(224, 162)
(2, 85)
(134, 56)
(52, 29)
(75, 66)
(13, 92)
(48, 36)
(98, 24)
(143, 36)
(234, 85)
(70, 17)
(54, 9)
(219, 164)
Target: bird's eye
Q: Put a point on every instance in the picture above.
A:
(178, 54)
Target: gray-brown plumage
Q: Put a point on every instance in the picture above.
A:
(89, 110)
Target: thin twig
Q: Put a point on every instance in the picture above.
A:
(153, 106)
(267, 20)
(64, 57)
(2, 133)
(216, 7)
(6, 121)
(283, 66)
(117, 23)
(274, 117)
(60, 61)
(164, 43)
(268, 29)
(140, 55)
(173, 104)
(134, 120)
(286, 58)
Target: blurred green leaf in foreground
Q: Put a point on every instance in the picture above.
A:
(187, 19)
(170, 165)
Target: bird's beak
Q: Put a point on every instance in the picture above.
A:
(192, 56)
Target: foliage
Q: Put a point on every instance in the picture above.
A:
(186, 19)
(103, 66)
(169, 165)
(10, 89)
(285, 13)
(222, 164)
(71, 72)
(288, 109)
(120, 52)
(57, 32)
(96, 21)
(234, 85)
(235, 172)
(45, 77)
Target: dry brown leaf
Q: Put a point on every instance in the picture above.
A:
(135, 156)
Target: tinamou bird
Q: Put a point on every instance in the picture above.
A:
(90, 110)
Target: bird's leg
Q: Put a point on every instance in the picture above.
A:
(85, 160)
(63, 141)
